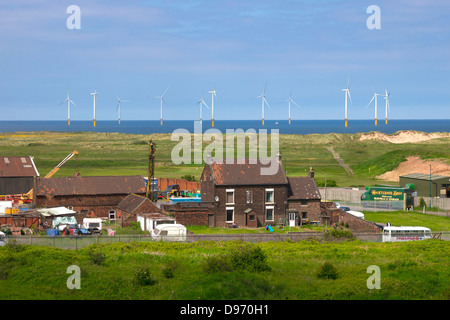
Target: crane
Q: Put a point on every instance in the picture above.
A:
(56, 169)
(29, 195)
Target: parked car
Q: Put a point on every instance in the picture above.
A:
(345, 208)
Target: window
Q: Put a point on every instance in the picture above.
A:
(70, 207)
(230, 214)
(269, 213)
(249, 196)
(269, 195)
(230, 195)
(304, 215)
(252, 217)
(84, 211)
(112, 215)
(304, 202)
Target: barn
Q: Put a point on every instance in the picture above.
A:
(17, 175)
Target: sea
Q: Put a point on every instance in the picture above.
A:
(283, 126)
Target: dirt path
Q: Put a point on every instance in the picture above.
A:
(339, 160)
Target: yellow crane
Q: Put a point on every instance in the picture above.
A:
(29, 195)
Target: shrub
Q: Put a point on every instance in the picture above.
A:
(249, 258)
(422, 203)
(143, 277)
(217, 263)
(96, 256)
(327, 271)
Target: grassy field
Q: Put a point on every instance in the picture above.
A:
(202, 271)
(127, 154)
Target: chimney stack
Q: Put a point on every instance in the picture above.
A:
(311, 173)
(279, 156)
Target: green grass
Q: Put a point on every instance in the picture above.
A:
(408, 218)
(127, 154)
(410, 270)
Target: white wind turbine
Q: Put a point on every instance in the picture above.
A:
(118, 105)
(69, 101)
(375, 95)
(291, 100)
(201, 102)
(162, 101)
(95, 96)
(347, 96)
(388, 108)
(264, 102)
(213, 94)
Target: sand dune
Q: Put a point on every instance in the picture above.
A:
(414, 164)
(407, 136)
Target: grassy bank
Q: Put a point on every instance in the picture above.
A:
(272, 270)
(127, 154)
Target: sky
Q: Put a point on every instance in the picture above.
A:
(308, 49)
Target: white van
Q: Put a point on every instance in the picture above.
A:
(169, 232)
(94, 224)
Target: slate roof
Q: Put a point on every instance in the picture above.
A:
(303, 188)
(97, 185)
(18, 167)
(132, 202)
(247, 173)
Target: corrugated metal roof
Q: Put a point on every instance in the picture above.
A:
(424, 176)
(97, 185)
(303, 188)
(18, 167)
(247, 173)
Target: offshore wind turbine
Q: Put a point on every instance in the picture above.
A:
(213, 94)
(264, 102)
(347, 96)
(375, 95)
(95, 96)
(162, 101)
(118, 105)
(291, 100)
(201, 102)
(69, 101)
(386, 97)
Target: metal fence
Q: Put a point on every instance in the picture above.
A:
(78, 242)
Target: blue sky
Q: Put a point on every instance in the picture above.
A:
(136, 49)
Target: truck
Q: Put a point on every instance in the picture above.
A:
(389, 197)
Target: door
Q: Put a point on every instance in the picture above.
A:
(211, 223)
(292, 219)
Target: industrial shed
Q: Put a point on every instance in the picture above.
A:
(17, 175)
(425, 184)
(90, 196)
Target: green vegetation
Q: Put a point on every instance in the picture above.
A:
(410, 218)
(229, 270)
(127, 154)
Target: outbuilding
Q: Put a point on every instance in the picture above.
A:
(17, 175)
(426, 184)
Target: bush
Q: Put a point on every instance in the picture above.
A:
(143, 277)
(96, 256)
(327, 271)
(422, 203)
(217, 263)
(249, 258)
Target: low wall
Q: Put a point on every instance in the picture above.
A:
(342, 194)
(441, 203)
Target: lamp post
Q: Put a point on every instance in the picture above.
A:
(430, 186)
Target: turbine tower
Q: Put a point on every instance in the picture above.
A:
(291, 100)
(69, 101)
(347, 96)
(386, 97)
(162, 101)
(201, 102)
(375, 95)
(213, 94)
(118, 105)
(264, 102)
(95, 96)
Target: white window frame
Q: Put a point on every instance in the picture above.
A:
(273, 195)
(112, 212)
(226, 196)
(273, 213)
(249, 196)
(226, 214)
